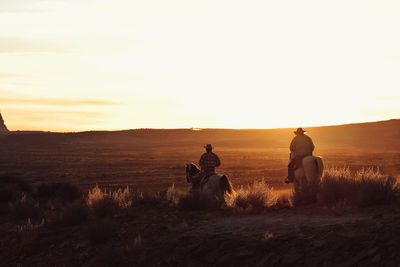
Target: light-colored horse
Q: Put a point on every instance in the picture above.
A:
(213, 188)
(308, 177)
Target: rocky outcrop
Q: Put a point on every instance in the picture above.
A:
(3, 127)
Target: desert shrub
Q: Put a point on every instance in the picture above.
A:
(283, 202)
(11, 188)
(65, 191)
(75, 213)
(96, 194)
(29, 226)
(12, 179)
(172, 195)
(123, 197)
(256, 197)
(101, 231)
(141, 199)
(366, 187)
(25, 208)
(105, 203)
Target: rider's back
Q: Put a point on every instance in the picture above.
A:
(209, 161)
(302, 145)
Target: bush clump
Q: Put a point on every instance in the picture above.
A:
(141, 199)
(105, 204)
(172, 195)
(12, 187)
(256, 197)
(64, 191)
(122, 197)
(364, 188)
(26, 208)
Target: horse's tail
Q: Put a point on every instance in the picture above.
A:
(225, 184)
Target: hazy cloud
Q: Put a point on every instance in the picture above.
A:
(36, 119)
(21, 45)
(8, 75)
(26, 5)
(13, 99)
(37, 115)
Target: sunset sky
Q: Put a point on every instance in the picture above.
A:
(72, 65)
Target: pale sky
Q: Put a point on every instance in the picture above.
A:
(72, 65)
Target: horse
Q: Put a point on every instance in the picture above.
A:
(213, 188)
(307, 178)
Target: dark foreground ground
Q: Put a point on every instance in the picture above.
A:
(166, 236)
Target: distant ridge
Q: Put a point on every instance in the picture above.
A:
(3, 127)
(363, 124)
(368, 136)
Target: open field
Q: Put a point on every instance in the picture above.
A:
(66, 229)
(152, 160)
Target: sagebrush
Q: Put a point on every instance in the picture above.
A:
(257, 196)
(365, 187)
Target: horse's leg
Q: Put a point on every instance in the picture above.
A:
(225, 185)
(312, 171)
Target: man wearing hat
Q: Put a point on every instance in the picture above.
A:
(300, 147)
(208, 162)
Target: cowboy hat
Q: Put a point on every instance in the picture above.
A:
(299, 131)
(208, 146)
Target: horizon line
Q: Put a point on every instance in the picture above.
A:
(202, 129)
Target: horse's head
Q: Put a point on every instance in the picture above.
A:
(191, 170)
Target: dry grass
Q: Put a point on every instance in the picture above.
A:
(365, 187)
(12, 187)
(29, 226)
(104, 203)
(172, 195)
(123, 197)
(95, 195)
(256, 197)
(149, 200)
(26, 208)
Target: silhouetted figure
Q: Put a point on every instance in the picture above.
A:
(208, 162)
(300, 147)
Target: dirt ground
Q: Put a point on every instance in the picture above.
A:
(307, 236)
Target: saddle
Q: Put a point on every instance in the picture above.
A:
(299, 162)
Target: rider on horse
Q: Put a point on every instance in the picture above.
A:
(300, 147)
(208, 162)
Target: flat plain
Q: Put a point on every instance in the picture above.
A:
(155, 233)
(152, 160)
